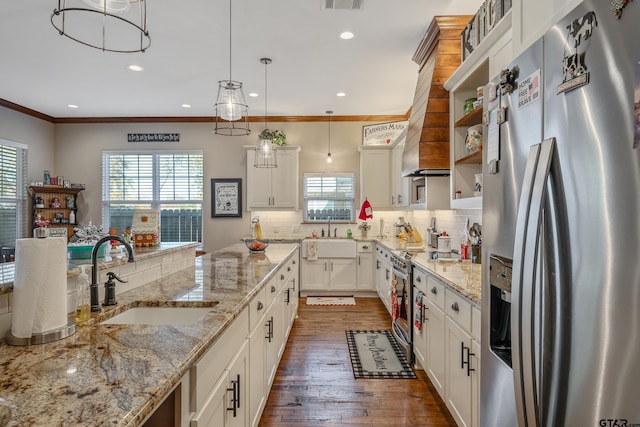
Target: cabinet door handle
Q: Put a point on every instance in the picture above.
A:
(434, 290)
(270, 329)
(325, 266)
(365, 247)
(387, 273)
(288, 268)
(282, 277)
(260, 306)
(419, 279)
(377, 265)
(234, 399)
(425, 311)
(358, 259)
(287, 300)
(294, 284)
(468, 361)
(455, 307)
(273, 289)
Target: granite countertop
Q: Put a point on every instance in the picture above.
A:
(461, 276)
(7, 269)
(118, 374)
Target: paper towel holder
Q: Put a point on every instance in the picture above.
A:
(44, 337)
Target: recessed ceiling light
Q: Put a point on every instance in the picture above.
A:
(72, 106)
(186, 105)
(347, 35)
(253, 95)
(134, 67)
(341, 94)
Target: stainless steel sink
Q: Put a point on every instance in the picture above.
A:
(159, 316)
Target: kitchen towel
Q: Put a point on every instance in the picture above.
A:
(312, 250)
(39, 286)
(365, 210)
(418, 312)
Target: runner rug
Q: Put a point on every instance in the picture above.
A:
(331, 301)
(376, 354)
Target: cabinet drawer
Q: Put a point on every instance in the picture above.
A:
(271, 289)
(458, 309)
(364, 246)
(257, 308)
(435, 292)
(420, 279)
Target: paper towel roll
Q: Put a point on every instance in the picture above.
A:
(39, 286)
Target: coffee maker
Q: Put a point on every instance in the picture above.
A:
(432, 234)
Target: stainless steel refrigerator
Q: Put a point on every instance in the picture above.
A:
(561, 227)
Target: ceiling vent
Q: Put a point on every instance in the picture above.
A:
(343, 4)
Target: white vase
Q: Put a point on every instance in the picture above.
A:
(477, 186)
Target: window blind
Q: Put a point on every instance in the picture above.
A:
(329, 196)
(13, 193)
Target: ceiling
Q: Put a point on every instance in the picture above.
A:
(189, 54)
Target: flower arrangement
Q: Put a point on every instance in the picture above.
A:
(277, 137)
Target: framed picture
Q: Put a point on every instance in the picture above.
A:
(226, 197)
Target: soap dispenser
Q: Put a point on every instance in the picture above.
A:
(83, 307)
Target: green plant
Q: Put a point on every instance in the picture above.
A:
(276, 136)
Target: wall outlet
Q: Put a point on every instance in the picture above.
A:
(276, 229)
(295, 228)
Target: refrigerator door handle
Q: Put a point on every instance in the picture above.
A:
(524, 272)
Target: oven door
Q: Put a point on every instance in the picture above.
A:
(401, 309)
(400, 331)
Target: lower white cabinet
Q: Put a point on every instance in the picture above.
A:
(383, 276)
(327, 274)
(364, 266)
(448, 347)
(219, 381)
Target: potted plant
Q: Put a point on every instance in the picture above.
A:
(277, 137)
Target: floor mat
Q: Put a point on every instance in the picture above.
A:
(376, 354)
(331, 301)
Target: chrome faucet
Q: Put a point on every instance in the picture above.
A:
(93, 288)
(329, 227)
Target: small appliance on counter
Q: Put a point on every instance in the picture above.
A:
(444, 245)
(432, 235)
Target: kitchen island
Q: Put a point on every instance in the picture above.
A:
(119, 374)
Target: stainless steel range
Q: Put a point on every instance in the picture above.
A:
(401, 297)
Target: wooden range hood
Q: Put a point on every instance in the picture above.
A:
(426, 150)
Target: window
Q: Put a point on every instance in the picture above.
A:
(329, 196)
(13, 193)
(171, 182)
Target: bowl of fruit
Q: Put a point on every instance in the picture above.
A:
(256, 245)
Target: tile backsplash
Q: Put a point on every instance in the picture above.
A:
(290, 224)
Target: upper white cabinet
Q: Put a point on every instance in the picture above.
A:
(375, 174)
(399, 184)
(484, 63)
(273, 188)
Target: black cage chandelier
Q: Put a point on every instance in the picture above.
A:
(108, 25)
(232, 111)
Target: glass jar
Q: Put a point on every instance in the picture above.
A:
(468, 105)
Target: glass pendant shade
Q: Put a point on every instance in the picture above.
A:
(113, 6)
(265, 155)
(329, 159)
(231, 105)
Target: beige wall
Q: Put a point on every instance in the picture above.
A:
(78, 149)
(37, 134)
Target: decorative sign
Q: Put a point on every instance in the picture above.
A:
(529, 89)
(226, 197)
(153, 137)
(58, 232)
(383, 133)
(574, 72)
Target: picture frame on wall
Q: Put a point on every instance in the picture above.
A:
(226, 198)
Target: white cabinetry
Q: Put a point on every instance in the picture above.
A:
(327, 274)
(219, 380)
(375, 173)
(383, 275)
(364, 268)
(448, 346)
(399, 184)
(273, 188)
(483, 64)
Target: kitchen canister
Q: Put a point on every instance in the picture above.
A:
(468, 105)
(473, 139)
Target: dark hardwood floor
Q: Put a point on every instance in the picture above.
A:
(314, 385)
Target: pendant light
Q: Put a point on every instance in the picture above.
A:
(232, 111)
(91, 26)
(265, 152)
(329, 159)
